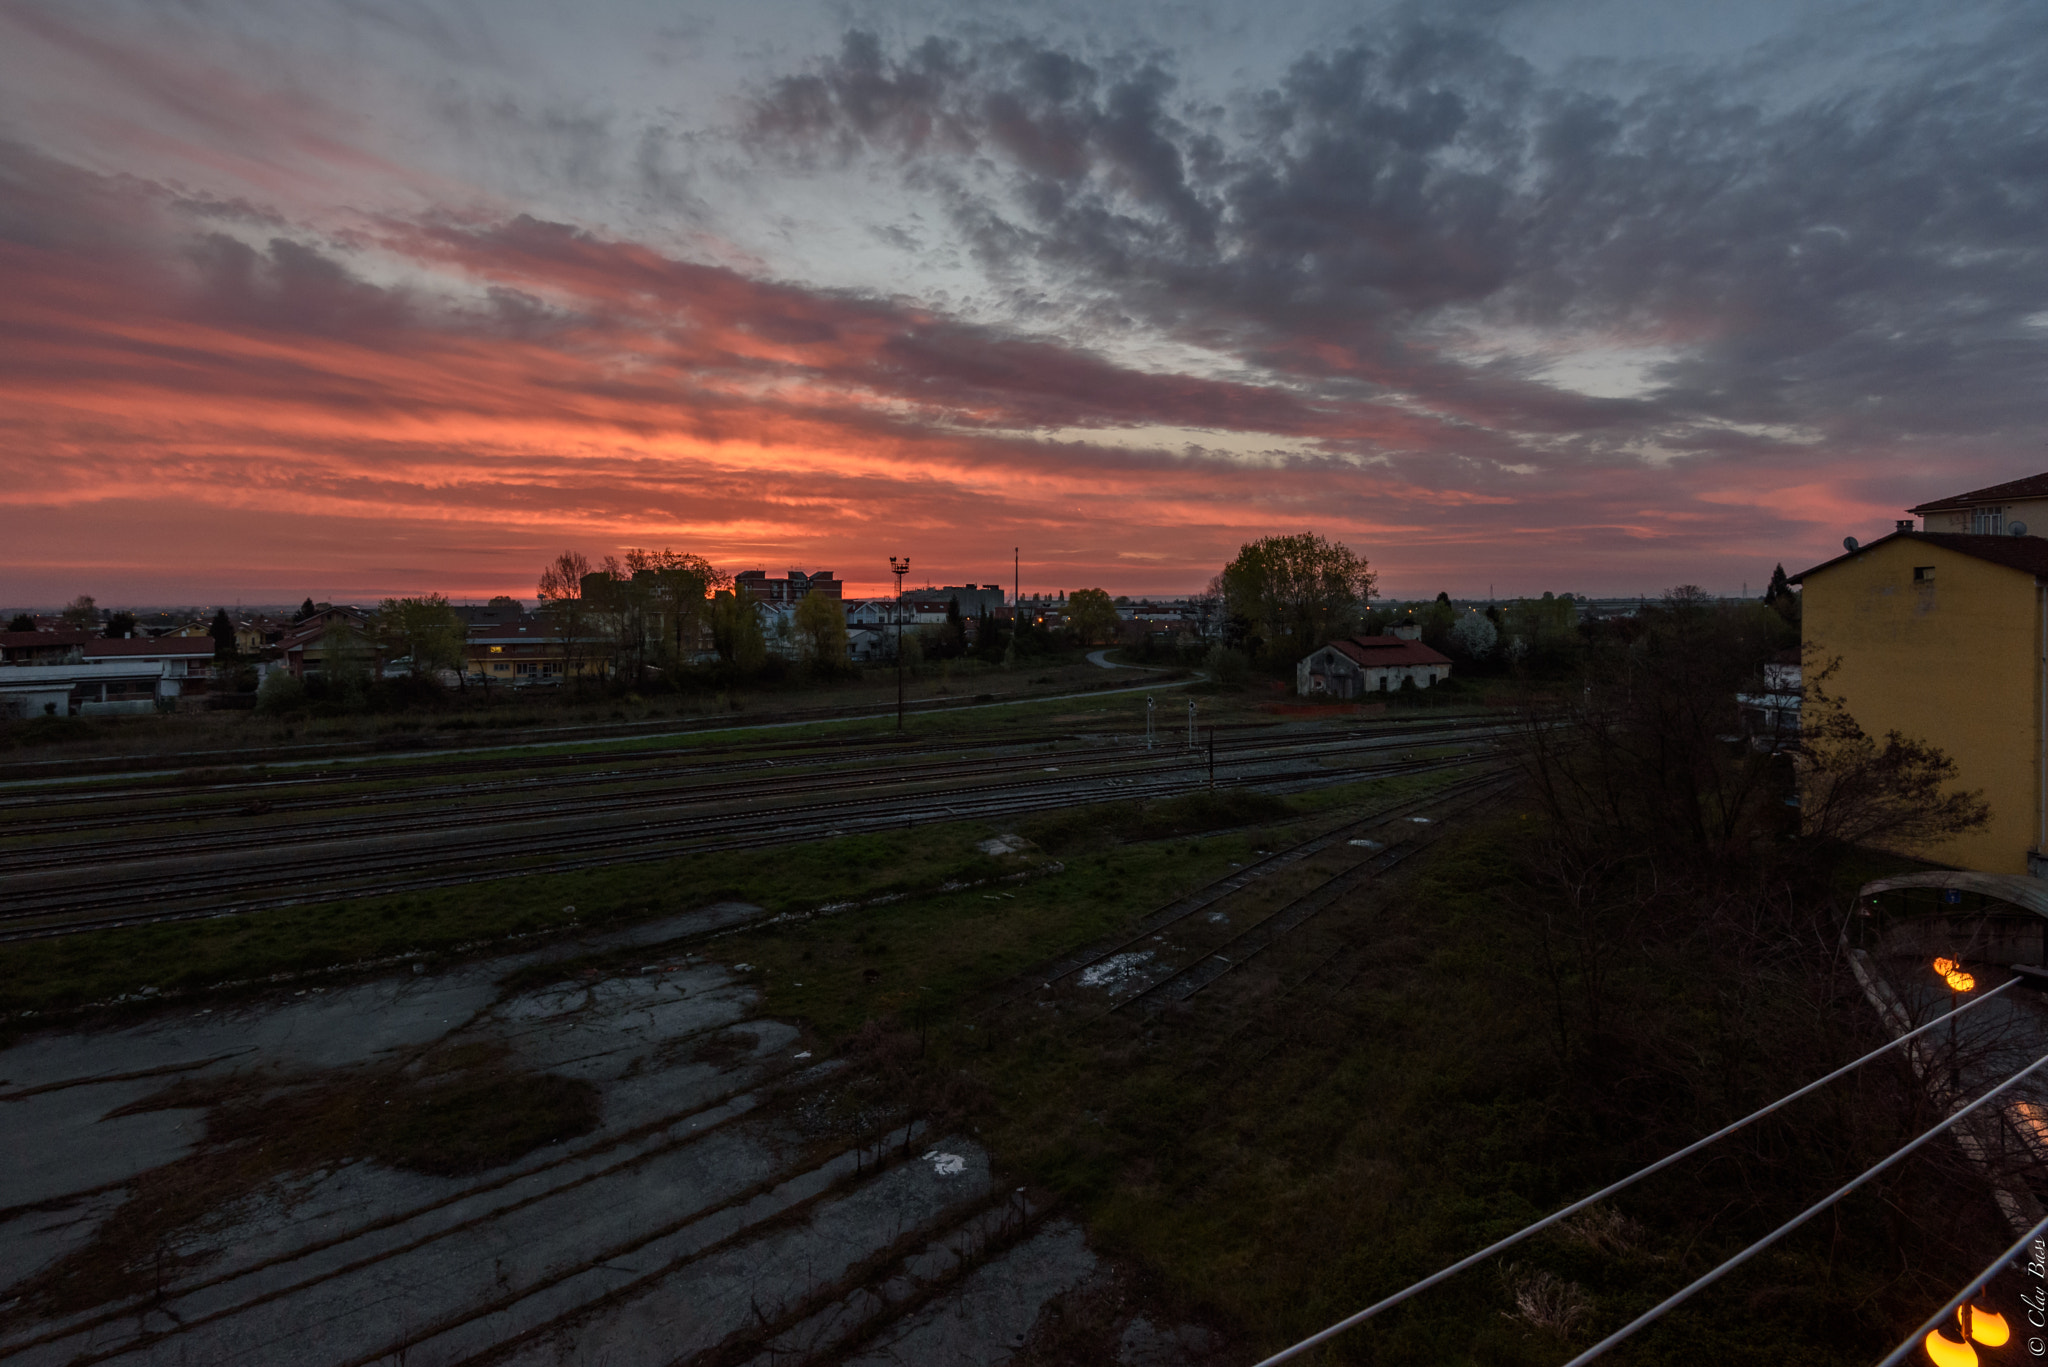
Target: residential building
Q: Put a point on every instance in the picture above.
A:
(1943, 637)
(2017, 507)
(115, 677)
(183, 663)
(793, 589)
(1369, 664)
(314, 643)
(42, 647)
(527, 650)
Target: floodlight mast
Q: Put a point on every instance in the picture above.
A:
(899, 568)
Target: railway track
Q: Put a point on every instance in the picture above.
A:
(159, 894)
(1247, 944)
(529, 771)
(1063, 971)
(658, 797)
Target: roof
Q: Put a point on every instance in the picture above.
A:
(42, 640)
(151, 648)
(2027, 554)
(2022, 891)
(2033, 486)
(1388, 652)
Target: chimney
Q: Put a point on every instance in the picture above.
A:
(1904, 524)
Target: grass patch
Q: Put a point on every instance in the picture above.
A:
(1091, 827)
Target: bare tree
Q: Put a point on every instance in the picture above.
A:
(563, 604)
(681, 588)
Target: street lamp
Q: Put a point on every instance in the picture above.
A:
(899, 568)
(1959, 983)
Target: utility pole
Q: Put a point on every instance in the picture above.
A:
(1151, 706)
(1191, 745)
(899, 568)
(1212, 759)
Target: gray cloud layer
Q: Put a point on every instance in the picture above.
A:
(1866, 264)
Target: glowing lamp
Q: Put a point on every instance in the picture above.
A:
(1988, 1327)
(1944, 1351)
(1952, 973)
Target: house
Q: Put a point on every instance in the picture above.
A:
(2018, 507)
(1369, 664)
(109, 677)
(1770, 717)
(525, 650)
(184, 664)
(314, 642)
(1943, 637)
(42, 647)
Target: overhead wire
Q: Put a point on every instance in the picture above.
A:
(1927, 1326)
(1531, 1230)
(1678, 1298)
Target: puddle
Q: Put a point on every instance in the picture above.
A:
(1004, 844)
(1367, 844)
(946, 1164)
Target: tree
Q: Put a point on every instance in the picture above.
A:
(1856, 790)
(821, 630)
(120, 626)
(682, 585)
(990, 640)
(505, 602)
(22, 622)
(561, 602)
(736, 631)
(80, 614)
(425, 632)
(1474, 636)
(1437, 620)
(1091, 616)
(223, 633)
(1782, 596)
(306, 609)
(1295, 593)
(619, 606)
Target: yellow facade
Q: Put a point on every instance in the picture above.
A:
(1946, 648)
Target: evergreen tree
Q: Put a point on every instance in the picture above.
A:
(223, 633)
(1780, 595)
(306, 609)
(22, 622)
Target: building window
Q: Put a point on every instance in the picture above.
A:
(1923, 574)
(1987, 521)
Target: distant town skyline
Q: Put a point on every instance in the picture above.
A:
(1545, 294)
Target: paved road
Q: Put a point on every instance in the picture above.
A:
(1100, 658)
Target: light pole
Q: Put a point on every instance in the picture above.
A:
(899, 568)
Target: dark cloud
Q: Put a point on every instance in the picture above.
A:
(1866, 264)
(290, 286)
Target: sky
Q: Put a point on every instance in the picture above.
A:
(349, 298)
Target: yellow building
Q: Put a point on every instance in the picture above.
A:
(2018, 507)
(1944, 638)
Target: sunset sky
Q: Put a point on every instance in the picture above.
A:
(360, 298)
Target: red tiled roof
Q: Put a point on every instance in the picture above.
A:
(154, 647)
(2033, 486)
(1389, 652)
(2027, 554)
